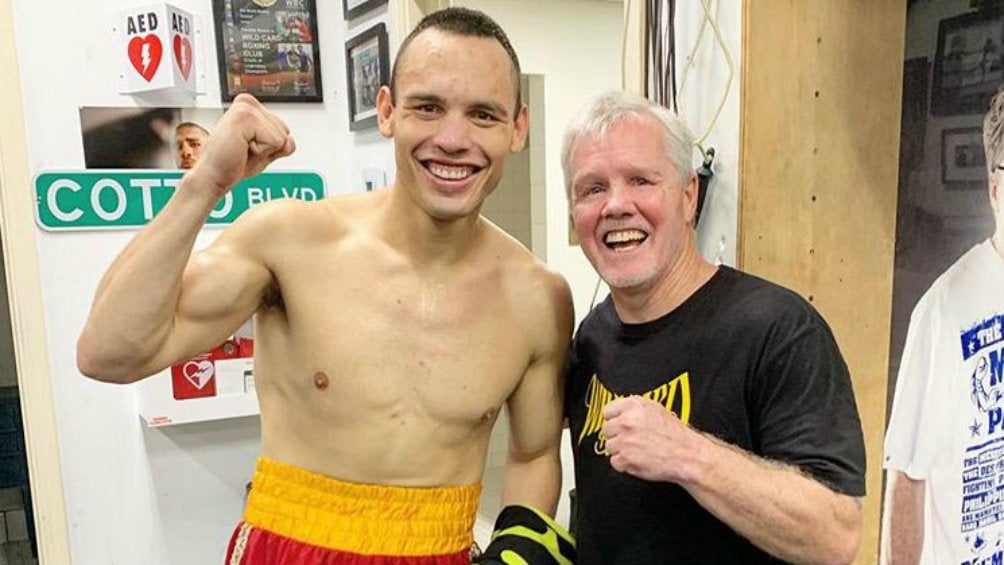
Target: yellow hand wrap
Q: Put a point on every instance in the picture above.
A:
(525, 536)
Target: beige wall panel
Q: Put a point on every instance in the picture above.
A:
(820, 137)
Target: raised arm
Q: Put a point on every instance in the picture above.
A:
(533, 469)
(158, 303)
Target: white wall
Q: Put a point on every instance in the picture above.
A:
(172, 495)
(135, 495)
(576, 46)
(702, 89)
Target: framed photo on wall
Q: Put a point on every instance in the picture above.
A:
(367, 68)
(268, 49)
(968, 62)
(355, 8)
(963, 163)
(913, 124)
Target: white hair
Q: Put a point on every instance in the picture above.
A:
(616, 106)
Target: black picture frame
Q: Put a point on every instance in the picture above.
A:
(367, 68)
(968, 62)
(963, 162)
(913, 124)
(355, 8)
(268, 49)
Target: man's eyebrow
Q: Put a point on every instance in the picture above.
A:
(423, 97)
(586, 177)
(486, 105)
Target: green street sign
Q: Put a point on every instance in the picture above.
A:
(125, 198)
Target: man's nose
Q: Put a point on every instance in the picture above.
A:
(454, 135)
(619, 202)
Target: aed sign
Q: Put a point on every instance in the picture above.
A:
(110, 199)
(156, 48)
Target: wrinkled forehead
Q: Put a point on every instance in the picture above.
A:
(615, 134)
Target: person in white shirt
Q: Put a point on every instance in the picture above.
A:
(944, 447)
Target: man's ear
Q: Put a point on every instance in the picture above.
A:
(520, 126)
(690, 194)
(385, 110)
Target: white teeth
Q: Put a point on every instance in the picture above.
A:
(450, 173)
(624, 236)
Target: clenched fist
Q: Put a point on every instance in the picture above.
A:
(647, 441)
(245, 141)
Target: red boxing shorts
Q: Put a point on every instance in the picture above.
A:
(296, 517)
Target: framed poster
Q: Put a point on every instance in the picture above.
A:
(913, 125)
(269, 49)
(963, 162)
(367, 68)
(355, 8)
(968, 65)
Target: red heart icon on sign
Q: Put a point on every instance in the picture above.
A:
(144, 54)
(183, 54)
(199, 372)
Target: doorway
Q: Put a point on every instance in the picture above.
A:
(18, 544)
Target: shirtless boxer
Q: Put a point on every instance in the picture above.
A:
(391, 326)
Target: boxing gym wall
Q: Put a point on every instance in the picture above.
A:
(106, 487)
(820, 139)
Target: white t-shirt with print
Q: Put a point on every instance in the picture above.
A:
(947, 421)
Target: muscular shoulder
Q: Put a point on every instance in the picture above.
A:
(538, 295)
(272, 227)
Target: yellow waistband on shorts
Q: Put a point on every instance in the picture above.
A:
(361, 518)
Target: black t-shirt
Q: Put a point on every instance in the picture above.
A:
(742, 359)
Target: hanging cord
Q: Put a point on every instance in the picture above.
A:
(693, 53)
(710, 21)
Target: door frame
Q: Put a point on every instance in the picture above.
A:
(17, 232)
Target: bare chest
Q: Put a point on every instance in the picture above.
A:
(390, 342)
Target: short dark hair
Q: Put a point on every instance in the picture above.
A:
(190, 125)
(464, 22)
